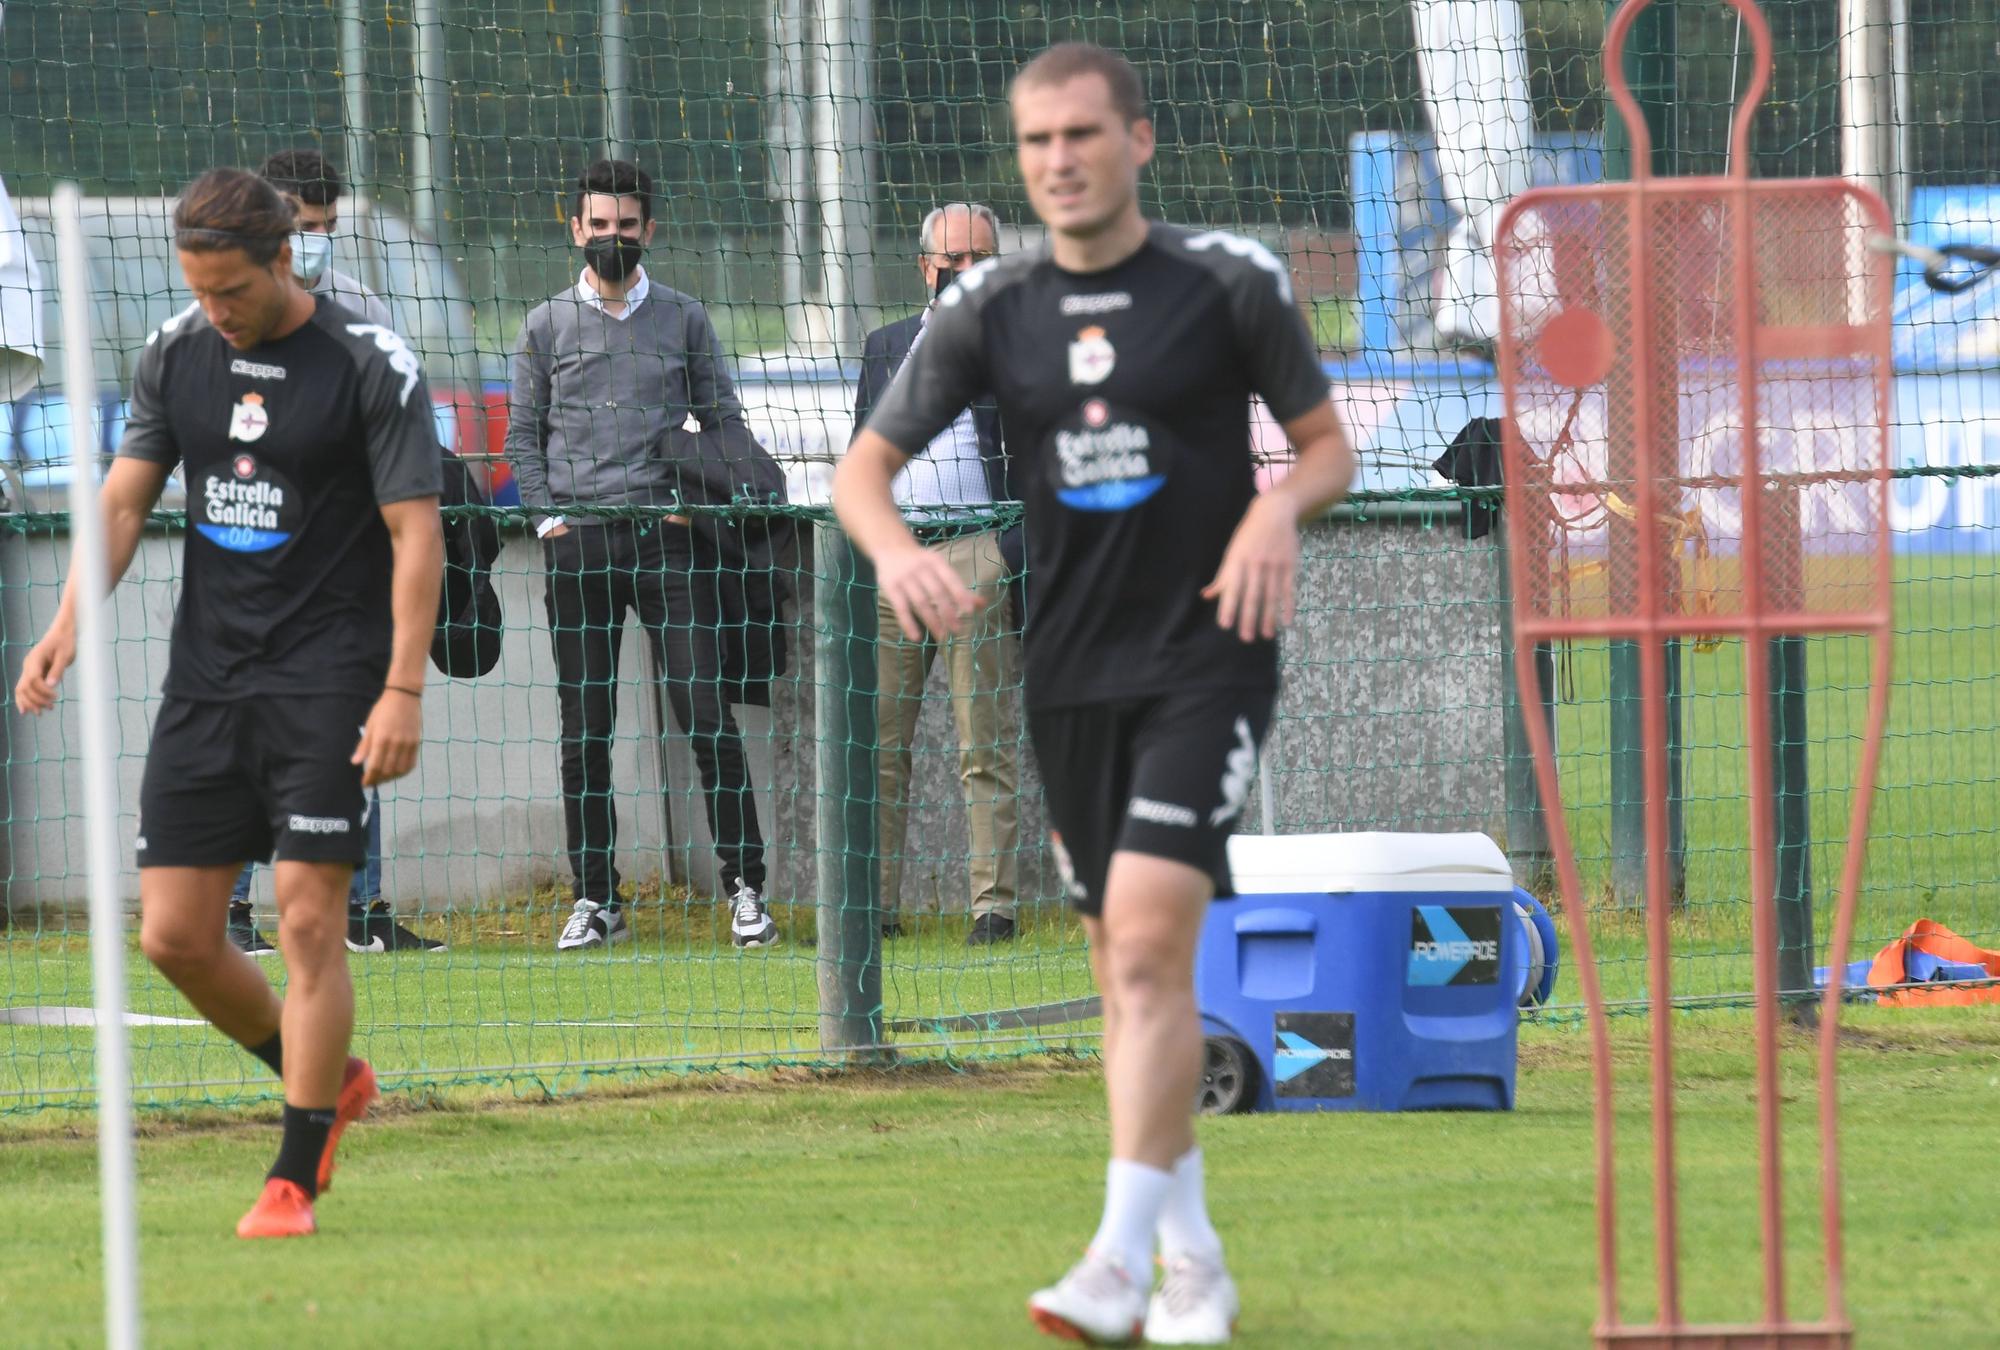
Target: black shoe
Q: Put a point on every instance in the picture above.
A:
(988, 929)
(243, 933)
(376, 930)
(892, 927)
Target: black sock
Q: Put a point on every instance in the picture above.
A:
(272, 1053)
(306, 1128)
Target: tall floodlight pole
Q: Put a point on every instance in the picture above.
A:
(617, 80)
(829, 69)
(429, 114)
(354, 97)
(1899, 112)
(840, 162)
(1865, 115)
(858, 157)
(785, 134)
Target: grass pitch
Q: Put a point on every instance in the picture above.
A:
(919, 1209)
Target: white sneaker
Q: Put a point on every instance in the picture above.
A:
(1096, 1303)
(750, 921)
(592, 925)
(1195, 1305)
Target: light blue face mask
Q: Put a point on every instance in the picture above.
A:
(311, 252)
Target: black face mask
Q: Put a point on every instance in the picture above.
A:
(613, 256)
(943, 282)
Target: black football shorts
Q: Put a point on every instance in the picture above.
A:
(1165, 776)
(236, 782)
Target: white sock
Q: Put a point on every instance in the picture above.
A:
(1133, 1194)
(1184, 1226)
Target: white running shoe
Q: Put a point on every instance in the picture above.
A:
(1195, 1305)
(750, 921)
(1096, 1303)
(592, 925)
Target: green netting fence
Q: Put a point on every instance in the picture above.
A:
(797, 146)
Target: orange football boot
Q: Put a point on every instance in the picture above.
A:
(283, 1210)
(357, 1091)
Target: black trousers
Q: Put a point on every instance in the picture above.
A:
(596, 574)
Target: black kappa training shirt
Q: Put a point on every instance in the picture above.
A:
(288, 451)
(1125, 396)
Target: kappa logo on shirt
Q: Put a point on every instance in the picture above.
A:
(256, 370)
(248, 421)
(1091, 357)
(1105, 302)
(401, 359)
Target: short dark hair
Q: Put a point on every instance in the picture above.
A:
(615, 178)
(305, 174)
(1067, 61)
(233, 208)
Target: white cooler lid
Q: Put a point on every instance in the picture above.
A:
(1276, 864)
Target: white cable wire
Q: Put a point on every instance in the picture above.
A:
(116, 1187)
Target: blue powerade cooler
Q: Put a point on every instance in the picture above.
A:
(1363, 972)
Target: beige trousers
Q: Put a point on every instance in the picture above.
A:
(983, 668)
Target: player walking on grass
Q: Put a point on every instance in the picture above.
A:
(309, 591)
(1123, 356)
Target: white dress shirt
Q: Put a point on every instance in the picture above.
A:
(951, 471)
(634, 298)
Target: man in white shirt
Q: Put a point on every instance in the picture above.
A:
(942, 493)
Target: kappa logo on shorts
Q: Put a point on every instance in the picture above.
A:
(1066, 870)
(1162, 813)
(320, 825)
(1237, 771)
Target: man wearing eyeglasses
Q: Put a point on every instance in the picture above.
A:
(944, 495)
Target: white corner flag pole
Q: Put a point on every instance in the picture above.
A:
(115, 1170)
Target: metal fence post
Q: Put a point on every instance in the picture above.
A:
(1528, 850)
(1791, 800)
(850, 931)
(1650, 52)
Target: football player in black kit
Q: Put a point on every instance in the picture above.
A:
(309, 592)
(1124, 355)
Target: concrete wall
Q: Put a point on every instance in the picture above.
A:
(1390, 720)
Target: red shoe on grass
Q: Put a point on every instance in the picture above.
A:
(357, 1092)
(283, 1210)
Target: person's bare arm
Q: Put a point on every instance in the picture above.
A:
(919, 584)
(131, 489)
(1256, 586)
(395, 728)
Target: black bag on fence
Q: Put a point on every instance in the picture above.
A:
(753, 555)
(467, 641)
(1473, 460)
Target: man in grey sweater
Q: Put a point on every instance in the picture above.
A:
(603, 369)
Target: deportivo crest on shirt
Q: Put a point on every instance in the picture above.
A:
(1091, 357)
(248, 421)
